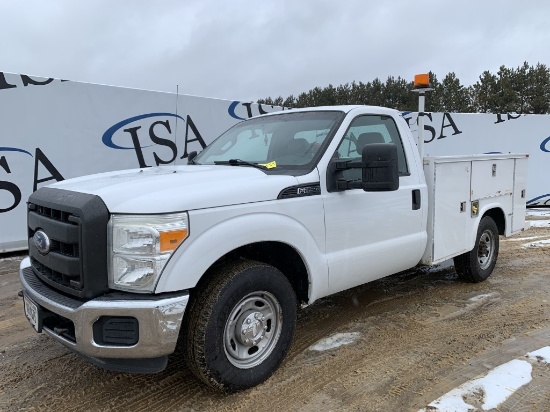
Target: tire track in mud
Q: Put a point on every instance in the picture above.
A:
(95, 389)
(416, 358)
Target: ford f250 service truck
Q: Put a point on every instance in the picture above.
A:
(281, 209)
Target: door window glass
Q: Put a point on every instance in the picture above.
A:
(366, 130)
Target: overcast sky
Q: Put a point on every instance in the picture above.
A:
(246, 50)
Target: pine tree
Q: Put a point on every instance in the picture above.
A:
(506, 97)
(434, 102)
(454, 96)
(484, 93)
(538, 101)
(520, 85)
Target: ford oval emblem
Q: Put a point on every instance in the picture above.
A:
(42, 242)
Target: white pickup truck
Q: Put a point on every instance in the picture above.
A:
(281, 209)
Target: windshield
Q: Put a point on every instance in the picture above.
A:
(282, 141)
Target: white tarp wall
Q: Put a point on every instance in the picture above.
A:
(470, 133)
(52, 130)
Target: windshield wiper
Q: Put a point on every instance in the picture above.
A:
(239, 162)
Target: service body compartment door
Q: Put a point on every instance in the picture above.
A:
(491, 178)
(520, 184)
(451, 215)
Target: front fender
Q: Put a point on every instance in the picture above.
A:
(195, 256)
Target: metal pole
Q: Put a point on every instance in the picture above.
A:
(421, 100)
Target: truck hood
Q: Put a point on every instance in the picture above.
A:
(178, 188)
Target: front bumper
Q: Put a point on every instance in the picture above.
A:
(159, 320)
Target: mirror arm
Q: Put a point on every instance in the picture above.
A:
(342, 184)
(349, 164)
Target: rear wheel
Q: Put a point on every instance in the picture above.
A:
(239, 325)
(478, 264)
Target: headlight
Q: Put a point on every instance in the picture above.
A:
(140, 246)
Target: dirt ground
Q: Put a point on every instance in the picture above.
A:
(421, 334)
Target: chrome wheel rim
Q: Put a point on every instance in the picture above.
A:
(252, 329)
(486, 249)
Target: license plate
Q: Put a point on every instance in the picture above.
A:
(31, 312)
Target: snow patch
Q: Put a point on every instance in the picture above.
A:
(335, 340)
(492, 389)
(520, 239)
(538, 212)
(440, 267)
(541, 355)
(12, 259)
(538, 243)
(539, 223)
(484, 296)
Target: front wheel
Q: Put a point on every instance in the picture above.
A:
(239, 325)
(478, 264)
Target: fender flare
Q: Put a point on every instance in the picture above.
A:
(483, 212)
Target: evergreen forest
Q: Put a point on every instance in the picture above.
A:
(521, 90)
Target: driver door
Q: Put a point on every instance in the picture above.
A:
(370, 235)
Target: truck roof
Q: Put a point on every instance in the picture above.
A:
(342, 108)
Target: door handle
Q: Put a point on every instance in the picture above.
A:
(416, 199)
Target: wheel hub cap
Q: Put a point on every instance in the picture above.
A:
(252, 328)
(486, 249)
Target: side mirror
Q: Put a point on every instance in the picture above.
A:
(191, 156)
(379, 172)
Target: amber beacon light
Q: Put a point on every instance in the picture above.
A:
(422, 81)
(421, 86)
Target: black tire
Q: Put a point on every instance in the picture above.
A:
(478, 264)
(239, 325)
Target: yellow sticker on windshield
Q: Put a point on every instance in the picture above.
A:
(270, 165)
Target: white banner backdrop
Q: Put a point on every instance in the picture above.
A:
(52, 130)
